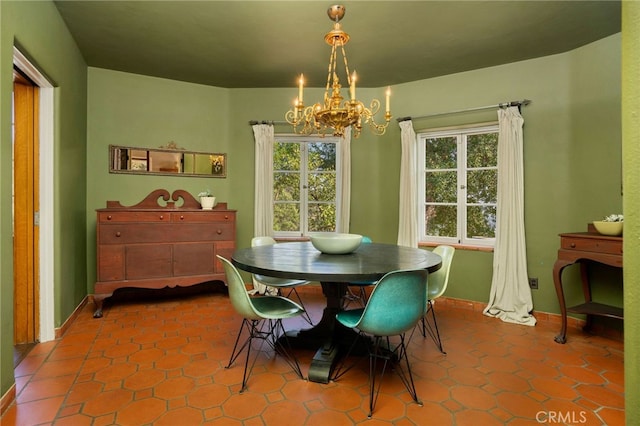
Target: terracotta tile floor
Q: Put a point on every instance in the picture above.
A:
(161, 362)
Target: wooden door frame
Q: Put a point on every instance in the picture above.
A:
(46, 301)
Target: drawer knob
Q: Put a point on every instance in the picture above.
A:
(573, 245)
(109, 217)
(181, 217)
(118, 234)
(219, 231)
(161, 216)
(226, 216)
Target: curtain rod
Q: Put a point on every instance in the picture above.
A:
(272, 122)
(500, 105)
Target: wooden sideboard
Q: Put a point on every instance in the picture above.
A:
(582, 248)
(160, 243)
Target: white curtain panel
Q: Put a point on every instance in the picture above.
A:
(344, 192)
(408, 208)
(510, 298)
(263, 196)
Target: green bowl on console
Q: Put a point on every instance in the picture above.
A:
(335, 243)
(608, 228)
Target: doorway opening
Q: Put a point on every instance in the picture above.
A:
(25, 215)
(32, 205)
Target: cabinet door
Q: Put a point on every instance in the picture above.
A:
(224, 249)
(148, 261)
(110, 263)
(193, 259)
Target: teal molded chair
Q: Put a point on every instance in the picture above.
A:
(438, 281)
(359, 291)
(262, 318)
(396, 305)
(273, 285)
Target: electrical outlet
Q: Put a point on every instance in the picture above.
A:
(533, 283)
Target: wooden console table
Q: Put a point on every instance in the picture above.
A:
(157, 244)
(582, 248)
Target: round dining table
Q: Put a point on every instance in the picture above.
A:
(300, 260)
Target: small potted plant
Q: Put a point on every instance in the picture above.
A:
(207, 201)
(610, 225)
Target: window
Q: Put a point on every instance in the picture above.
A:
(458, 185)
(305, 185)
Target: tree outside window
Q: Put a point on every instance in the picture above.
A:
(305, 186)
(458, 185)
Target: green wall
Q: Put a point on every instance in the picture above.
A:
(37, 29)
(631, 159)
(140, 111)
(574, 115)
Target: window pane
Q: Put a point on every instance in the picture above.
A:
(441, 187)
(441, 153)
(322, 156)
(440, 221)
(481, 222)
(482, 186)
(322, 217)
(286, 186)
(482, 150)
(286, 156)
(322, 187)
(286, 217)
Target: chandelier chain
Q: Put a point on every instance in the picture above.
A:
(346, 65)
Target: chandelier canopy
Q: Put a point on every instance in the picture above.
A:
(333, 114)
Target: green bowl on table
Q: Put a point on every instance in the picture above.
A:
(335, 243)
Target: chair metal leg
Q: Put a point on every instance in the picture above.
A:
(269, 331)
(432, 329)
(282, 345)
(305, 315)
(340, 369)
(382, 350)
(351, 296)
(406, 376)
(374, 355)
(235, 352)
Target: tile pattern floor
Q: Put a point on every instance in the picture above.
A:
(162, 362)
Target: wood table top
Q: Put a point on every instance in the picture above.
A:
(300, 260)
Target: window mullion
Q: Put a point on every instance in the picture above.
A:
(462, 188)
(304, 189)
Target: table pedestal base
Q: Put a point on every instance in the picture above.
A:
(322, 364)
(333, 336)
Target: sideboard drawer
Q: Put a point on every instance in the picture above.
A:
(141, 233)
(117, 217)
(593, 245)
(205, 216)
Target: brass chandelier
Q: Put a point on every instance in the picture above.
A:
(334, 115)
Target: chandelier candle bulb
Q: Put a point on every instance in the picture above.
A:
(352, 89)
(300, 87)
(388, 94)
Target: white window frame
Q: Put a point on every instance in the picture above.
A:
(304, 141)
(460, 132)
